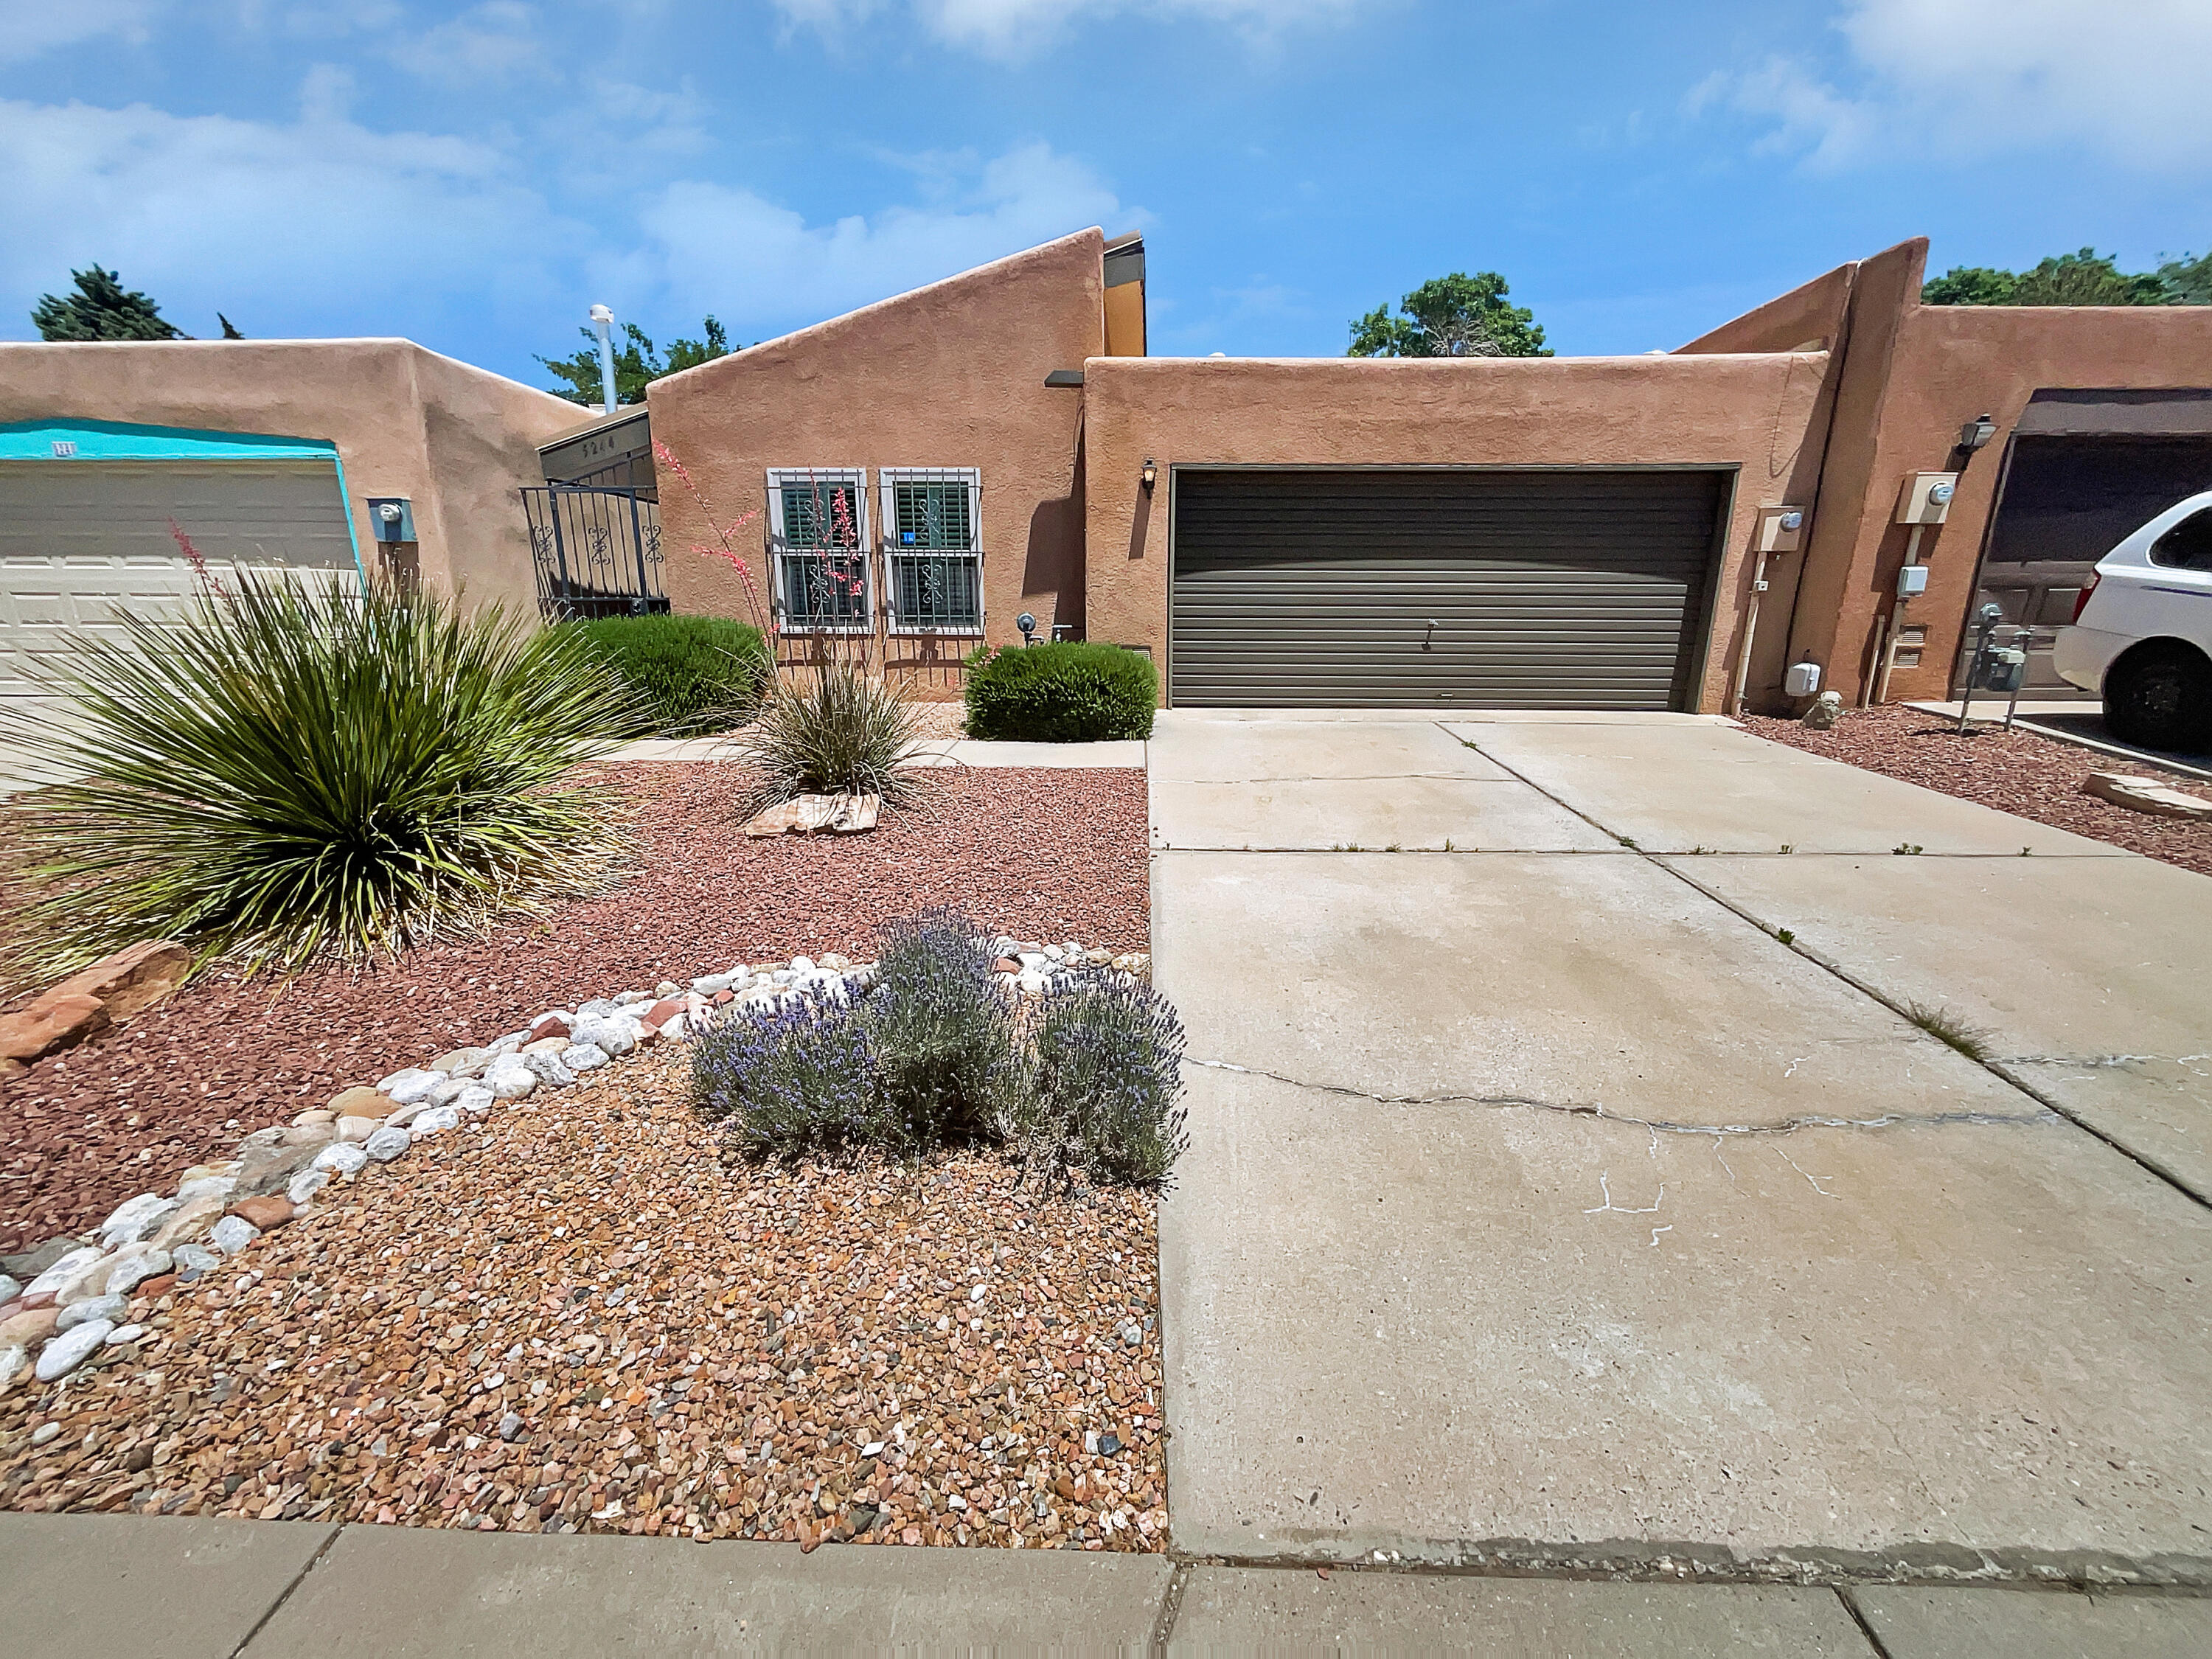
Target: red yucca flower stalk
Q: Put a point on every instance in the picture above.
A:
(194, 556)
(724, 547)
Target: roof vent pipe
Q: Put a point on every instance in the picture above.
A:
(603, 323)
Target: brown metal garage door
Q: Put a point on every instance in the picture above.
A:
(1467, 588)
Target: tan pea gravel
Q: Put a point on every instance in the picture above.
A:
(690, 1349)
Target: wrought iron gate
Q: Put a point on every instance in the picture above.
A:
(597, 550)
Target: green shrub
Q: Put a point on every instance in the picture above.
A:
(797, 1081)
(1105, 1072)
(944, 1036)
(1060, 694)
(699, 673)
(832, 731)
(284, 774)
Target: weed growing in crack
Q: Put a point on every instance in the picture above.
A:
(1785, 935)
(1947, 1028)
(1629, 841)
(1906, 848)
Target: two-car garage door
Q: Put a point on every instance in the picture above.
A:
(1453, 587)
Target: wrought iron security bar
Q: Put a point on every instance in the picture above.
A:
(933, 549)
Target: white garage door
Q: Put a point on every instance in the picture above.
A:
(79, 537)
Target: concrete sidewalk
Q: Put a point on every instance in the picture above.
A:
(127, 1587)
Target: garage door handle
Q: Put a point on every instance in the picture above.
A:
(1433, 625)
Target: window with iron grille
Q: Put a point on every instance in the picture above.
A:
(933, 552)
(819, 535)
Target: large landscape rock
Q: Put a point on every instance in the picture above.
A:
(2142, 794)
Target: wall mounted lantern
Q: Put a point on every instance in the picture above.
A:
(1977, 432)
(1151, 472)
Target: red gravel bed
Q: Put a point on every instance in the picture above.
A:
(574, 1318)
(2015, 772)
(1053, 854)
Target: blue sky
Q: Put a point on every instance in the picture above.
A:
(475, 176)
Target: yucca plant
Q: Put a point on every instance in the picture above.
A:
(287, 775)
(832, 731)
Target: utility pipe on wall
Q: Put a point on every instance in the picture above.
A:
(602, 324)
(1750, 632)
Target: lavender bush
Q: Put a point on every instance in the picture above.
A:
(1105, 1072)
(933, 1056)
(797, 1081)
(943, 1031)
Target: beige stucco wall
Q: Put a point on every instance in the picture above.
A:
(1952, 363)
(1750, 412)
(457, 442)
(949, 375)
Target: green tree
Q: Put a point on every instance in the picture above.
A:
(2188, 280)
(101, 309)
(1970, 285)
(637, 360)
(1454, 316)
(2086, 278)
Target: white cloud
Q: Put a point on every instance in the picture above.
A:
(207, 211)
(498, 40)
(1015, 28)
(29, 27)
(2127, 79)
(714, 246)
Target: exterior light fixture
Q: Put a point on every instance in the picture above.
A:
(1151, 472)
(1977, 432)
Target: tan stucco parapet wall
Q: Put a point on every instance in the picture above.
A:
(456, 441)
(1750, 412)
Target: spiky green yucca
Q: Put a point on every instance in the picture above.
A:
(285, 775)
(832, 732)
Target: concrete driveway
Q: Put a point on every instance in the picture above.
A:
(1544, 1205)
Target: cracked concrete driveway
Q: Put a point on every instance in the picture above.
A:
(1544, 1205)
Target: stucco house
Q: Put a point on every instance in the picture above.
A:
(1676, 531)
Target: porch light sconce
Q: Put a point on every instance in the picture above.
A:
(1977, 432)
(1151, 472)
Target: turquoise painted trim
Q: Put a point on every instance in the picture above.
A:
(112, 440)
(345, 501)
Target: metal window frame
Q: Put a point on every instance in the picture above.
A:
(888, 478)
(781, 552)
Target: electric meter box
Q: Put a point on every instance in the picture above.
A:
(1911, 581)
(1803, 679)
(392, 518)
(1781, 529)
(1926, 497)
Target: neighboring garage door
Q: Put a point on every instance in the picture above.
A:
(1467, 588)
(80, 537)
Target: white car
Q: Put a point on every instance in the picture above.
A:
(2142, 637)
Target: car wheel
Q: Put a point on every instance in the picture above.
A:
(2160, 696)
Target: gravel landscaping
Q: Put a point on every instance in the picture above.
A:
(2015, 772)
(572, 1315)
(1053, 854)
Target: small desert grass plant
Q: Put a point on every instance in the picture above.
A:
(831, 730)
(286, 774)
(1947, 1027)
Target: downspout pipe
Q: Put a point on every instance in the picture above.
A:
(603, 325)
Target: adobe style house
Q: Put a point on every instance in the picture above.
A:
(1673, 531)
(1664, 531)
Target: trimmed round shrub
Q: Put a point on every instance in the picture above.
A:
(698, 673)
(1061, 694)
(288, 772)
